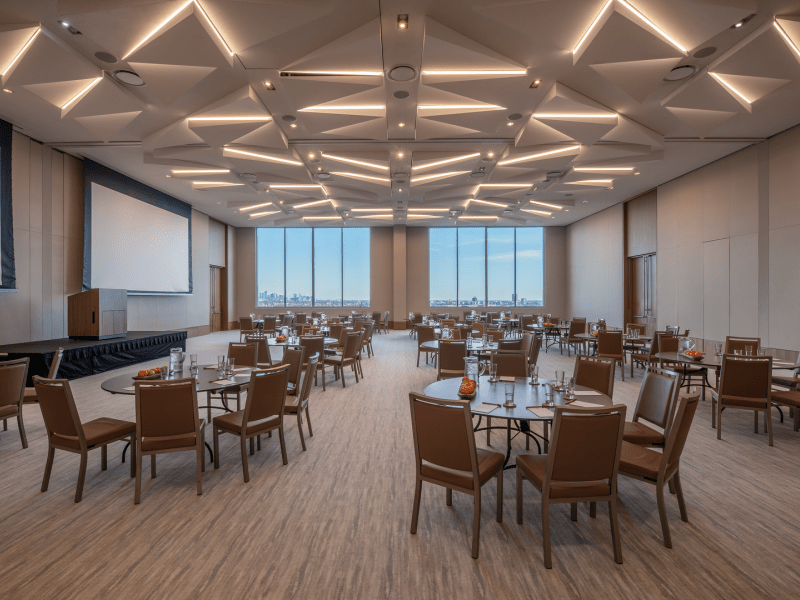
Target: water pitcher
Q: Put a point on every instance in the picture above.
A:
(176, 357)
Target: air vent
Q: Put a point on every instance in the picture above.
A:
(399, 174)
(401, 95)
(403, 73)
(322, 175)
(289, 118)
(477, 175)
(128, 78)
(106, 57)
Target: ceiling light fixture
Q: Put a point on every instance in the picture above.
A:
(424, 217)
(574, 116)
(510, 161)
(487, 72)
(83, 92)
(592, 26)
(262, 118)
(356, 162)
(784, 35)
(321, 218)
(198, 171)
(598, 169)
(311, 156)
(489, 203)
(263, 156)
(359, 176)
(401, 189)
(730, 87)
(361, 107)
(295, 186)
(399, 155)
(371, 209)
(21, 52)
(553, 206)
(255, 206)
(175, 14)
(487, 218)
(331, 73)
(459, 106)
(590, 181)
(401, 124)
(262, 214)
(269, 85)
(402, 21)
(307, 204)
(439, 175)
(738, 24)
(536, 212)
(293, 125)
(447, 161)
(214, 183)
(652, 25)
(7, 91)
(536, 83)
(428, 209)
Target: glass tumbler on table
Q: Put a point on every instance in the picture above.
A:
(509, 389)
(571, 388)
(718, 349)
(193, 363)
(748, 350)
(221, 363)
(493, 372)
(534, 374)
(229, 367)
(559, 383)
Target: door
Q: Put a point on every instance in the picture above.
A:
(642, 302)
(216, 299)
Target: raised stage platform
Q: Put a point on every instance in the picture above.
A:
(88, 357)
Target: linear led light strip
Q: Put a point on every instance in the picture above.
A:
(575, 116)
(292, 186)
(21, 52)
(374, 217)
(505, 185)
(359, 107)
(316, 203)
(424, 217)
(489, 72)
(447, 161)
(355, 162)
(234, 118)
(83, 92)
(553, 206)
(265, 157)
(199, 171)
(214, 183)
(359, 176)
(328, 73)
(255, 206)
(263, 214)
(598, 169)
(428, 209)
(538, 155)
(321, 218)
(449, 106)
(730, 87)
(536, 212)
(371, 209)
(784, 35)
(590, 181)
(489, 203)
(475, 217)
(172, 16)
(437, 175)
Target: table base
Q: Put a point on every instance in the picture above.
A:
(520, 427)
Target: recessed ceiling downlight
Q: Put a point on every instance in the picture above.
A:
(477, 175)
(681, 72)
(127, 77)
(399, 174)
(402, 73)
(514, 117)
(106, 57)
(289, 118)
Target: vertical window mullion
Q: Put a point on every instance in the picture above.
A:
(285, 296)
(486, 268)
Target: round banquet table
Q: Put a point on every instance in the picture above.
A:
(476, 346)
(518, 418)
(272, 342)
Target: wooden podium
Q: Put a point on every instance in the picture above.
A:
(98, 314)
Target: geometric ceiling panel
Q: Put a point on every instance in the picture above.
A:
(702, 122)
(427, 129)
(631, 132)
(752, 88)
(244, 102)
(177, 134)
(359, 50)
(433, 177)
(790, 25)
(703, 92)
(58, 93)
(375, 129)
(170, 82)
(313, 91)
(446, 49)
(486, 121)
(540, 155)
(46, 61)
(218, 133)
(13, 39)
(106, 127)
(575, 115)
(601, 152)
(493, 89)
(105, 98)
(369, 103)
(535, 132)
(637, 78)
(268, 135)
(581, 129)
(317, 123)
(562, 99)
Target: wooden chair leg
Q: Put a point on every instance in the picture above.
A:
(323, 377)
(283, 445)
(81, 476)
(615, 537)
(519, 496)
(137, 493)
(152, 466)
(48, 468)
(768, 419)
(476, 523)
(22, 433)
(258, 442)
(103, 458)
(573, 511)
(488, 431)
(448, 497)
(593, 510)
(243, 447)
(252, 446)
(200, 451)
(216, 448)
(133, 456)
(755, 421)
(662, 512)
(500, 495)
(415, 509)
(548, 561)
(719, 420)
(308, 422)
(679, 493)
(300, 429)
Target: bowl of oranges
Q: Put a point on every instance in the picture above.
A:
(280, 338)
(467, 389)
(147, 374)
(693, 354)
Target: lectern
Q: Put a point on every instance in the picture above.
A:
(98, 314)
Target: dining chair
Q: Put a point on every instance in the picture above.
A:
(347, 358)
(576, 326)
(515, 345)
(358, 364)
(745, 384)
(376, 316)
(445, 454)
(245, 327)
(270, 324)
(494, 335)
(657, 398)
(55, 364)
(167, 420)
(66, 432)
(509, 363)
(295, 405)
(733, 343)
(581, 466)
(287, 321)
(315, 345)
(595, 373)
(479, 327)
(451, 359)
(609, 345)
(13, 375)
(294, 357)
(263, 353)
(673, 329)
(385, 324)
(300, 318)
(425, 333)
(449, 323)
(536, 346)
(649, 358)
(369, 330)
(263, 413)
(456, 334)
(415, 324)
(244, 355)
(662, 468)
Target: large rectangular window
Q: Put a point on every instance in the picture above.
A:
(486, 266)
(304, 267)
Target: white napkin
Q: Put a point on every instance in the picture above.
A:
(129, 389)
(485, 408)
(243, 369)
(507, 378)
(587, 393)
(212, 367)
(585, 404)
(543, 413)
(222, 382)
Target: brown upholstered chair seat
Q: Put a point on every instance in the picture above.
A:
(640, 357)
(534, 466)
(292, 402)
(779, 379)
(739, 400)
(30, 394)
(8, 410)
(233, 422)
(639, 433)
(96, 432)
(639, 461)
(171, 442)
(488, 463)
(786, 397)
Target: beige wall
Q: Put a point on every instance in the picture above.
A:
(595, 267)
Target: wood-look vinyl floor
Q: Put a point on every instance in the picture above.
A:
(334, 522)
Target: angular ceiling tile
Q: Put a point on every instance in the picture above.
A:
(703, 92)
(170, 82)
(60, 92)
(427, 129)
(268, 135)
(46, 61)
(631, 132)
(702, 122)
(445, 49)
(106, 127)
(581, 129)
(219, 133)
(376, 129)
(105, 98)
(535, 132)
(638, 78)
(752, 88)
(429, 178)
(13, 41)
(359, 50)
(313, 91)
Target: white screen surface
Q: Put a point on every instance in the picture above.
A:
(137, 246)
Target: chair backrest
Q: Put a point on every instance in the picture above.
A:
(386, 319)
(243, 354)
(576, 327)
(166, 411)
(336, 331)
(673, 329)
(479, 327)
(443, 434)
(316, 315)
(376, 316)
(668, 343)
(638, 326)
(510, 364)
(352, 345)
(369, 329)
(610, 343)
(245, 324)
(293, 356)
(58, 409)
(263, 353)
(13, 376)
(657, 397)
(494, 335)
(679, 431)
(287, 320)
(738, 343)
(579, 319)
(266, 394)
(425, 333)
(305, 388)
(535, 347)
(418, 319)
(270, 323)
(527, 343)
(313, 345)
(450, 323)
(451, 356)
(53, 373)
(300, 318)
(456, 333)
(595, 373)
(524, 321)
(585, 446)
(510, 345)
(654, 345)
(746, 377)
(358, 325)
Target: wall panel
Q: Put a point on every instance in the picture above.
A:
(744, 285)
(716, 289)
(784, 287)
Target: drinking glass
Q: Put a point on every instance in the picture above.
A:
(221, 363)
(559, 384)
(164, 372)
(534, 374)
(193, 363)
(485, 339)
(230, 366)
(509, 395)
(493, 372)
(718, 349)
(548, 395)
(571, 388)
(762, 351)
(737, 352)
(748, 351)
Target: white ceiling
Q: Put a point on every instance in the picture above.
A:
(601, 102)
